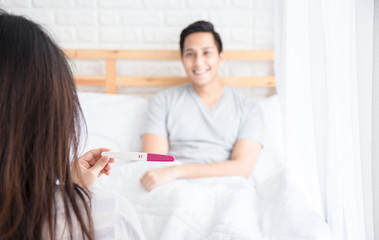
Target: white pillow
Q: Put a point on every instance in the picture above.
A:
(270, 161)
(113, 121)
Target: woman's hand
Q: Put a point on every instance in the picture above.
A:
(159, 176)
(90, 167)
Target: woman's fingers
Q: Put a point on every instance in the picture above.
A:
(94, 155)
(85, 164)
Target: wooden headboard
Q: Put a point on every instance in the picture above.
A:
(111, 80)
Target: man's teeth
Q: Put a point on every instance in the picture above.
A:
(200, 71)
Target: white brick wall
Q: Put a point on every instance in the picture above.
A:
(152, 24)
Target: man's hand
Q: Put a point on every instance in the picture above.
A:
(90, 167)
(159, 176)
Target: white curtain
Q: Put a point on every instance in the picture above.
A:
(375, 123)
(317, 81)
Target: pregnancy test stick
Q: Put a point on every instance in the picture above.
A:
(136, 156)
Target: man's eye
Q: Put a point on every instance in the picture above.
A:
(189, 54)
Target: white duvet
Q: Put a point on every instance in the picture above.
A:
(208, 208)
(267, 206)
(216, 208)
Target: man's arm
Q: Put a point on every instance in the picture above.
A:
(244, 156)
(152, 143)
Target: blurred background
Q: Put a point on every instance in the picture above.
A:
(153, 24)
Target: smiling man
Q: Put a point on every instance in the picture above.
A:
(212, 129)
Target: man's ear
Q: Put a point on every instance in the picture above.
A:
(222, 57)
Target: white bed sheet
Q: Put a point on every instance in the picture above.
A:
(217, 208)
(267, 206)
(208, 208)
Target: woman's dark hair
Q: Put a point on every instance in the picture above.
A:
(40, 120)
(200, 26)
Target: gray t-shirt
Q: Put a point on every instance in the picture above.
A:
(198, 134)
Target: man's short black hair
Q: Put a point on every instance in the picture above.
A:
(200, 26)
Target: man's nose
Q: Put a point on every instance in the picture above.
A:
(199, 60)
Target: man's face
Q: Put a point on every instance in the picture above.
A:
(201, 58)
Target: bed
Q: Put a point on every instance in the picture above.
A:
(265, 206)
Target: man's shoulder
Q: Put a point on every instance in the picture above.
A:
(241, 100)
(238, 97)
(171, 93)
